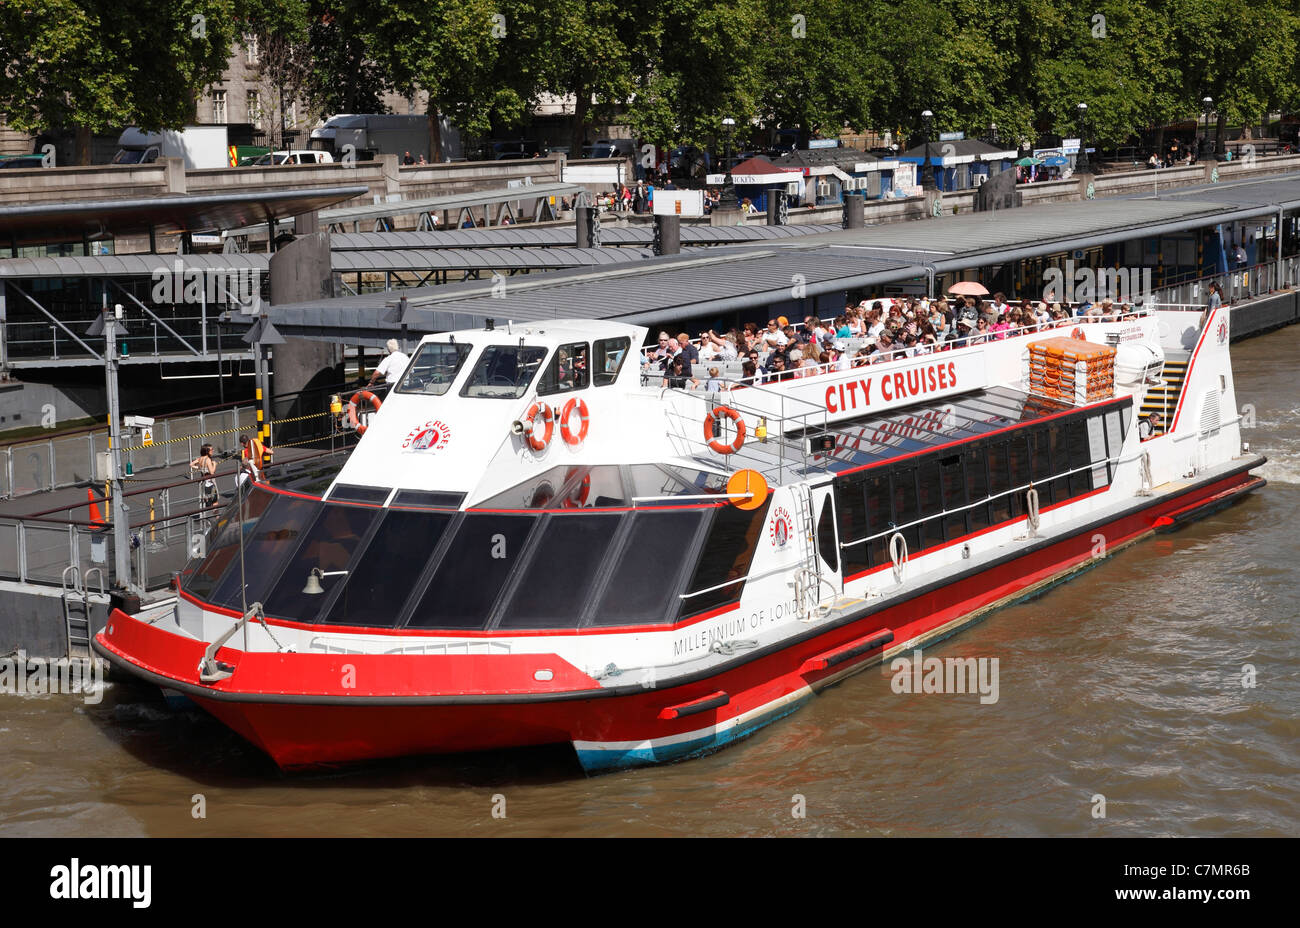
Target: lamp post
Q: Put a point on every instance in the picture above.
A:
(927, 170)
(1206, 103)
(1081, 165)
(727, 199)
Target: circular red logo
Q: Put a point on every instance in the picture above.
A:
(428, 436)
(782, 527)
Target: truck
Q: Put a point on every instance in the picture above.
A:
(198, 146)
(374, 134)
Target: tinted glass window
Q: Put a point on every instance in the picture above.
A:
(607, 359)
(826, 536)
(386, 573)
(354, 494)
(880, 516)
(553, 590)
(568, 370)
(428, 499)
(433, 369)
(728, 549)
(977, 487)
(475, 567)
(276, 536)
(1076, 446)
(563, 487)
(1040, 454)
(504, 371)
(953, 485)
(852, 515)
(931, 500)
(328, 545)
(905, 505)
(223, 542)
(643, 586)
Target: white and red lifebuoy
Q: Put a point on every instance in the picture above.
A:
(711, 431)
(574, 407)
(530, 422)
(353, 420)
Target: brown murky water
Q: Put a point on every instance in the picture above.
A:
(1126, 682)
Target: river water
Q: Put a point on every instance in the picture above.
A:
(1120, 692)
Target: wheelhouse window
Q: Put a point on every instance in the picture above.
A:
(276, 535)
(608, 355)
(566, 486)
(569, 370)
(504, 372)
(434, 368)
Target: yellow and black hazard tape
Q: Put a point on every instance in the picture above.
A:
(243, 428)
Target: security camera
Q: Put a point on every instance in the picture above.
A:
(138, 422)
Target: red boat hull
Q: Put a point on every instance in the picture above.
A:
(393, 714)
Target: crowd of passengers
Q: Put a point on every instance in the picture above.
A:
(869, 332)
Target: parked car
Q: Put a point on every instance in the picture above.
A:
(294, 157)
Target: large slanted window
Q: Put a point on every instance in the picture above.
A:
(276, 535)
(389, 569)
(646, 575)
(558, 578)
(851, 513)
(952, 483)
(724, 560)
(472, 572)
(223, 543)
(433, 369)
(327, 546)
(504, 372)
(569, 370)
(607, 359)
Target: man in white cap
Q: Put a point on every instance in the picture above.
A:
(392, 367)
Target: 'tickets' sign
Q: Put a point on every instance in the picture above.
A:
(875, 387)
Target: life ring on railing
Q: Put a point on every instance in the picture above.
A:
(580, 407)
(548, 419)
(710, 435)
(1078, 334)
(352, 409)
(578, 500)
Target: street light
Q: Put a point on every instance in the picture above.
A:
(927, 171)
(1206, 103)
(1081, 165)
(727, 200)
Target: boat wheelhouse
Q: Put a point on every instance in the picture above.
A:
(529, 545)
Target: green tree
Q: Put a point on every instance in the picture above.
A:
(95, 65)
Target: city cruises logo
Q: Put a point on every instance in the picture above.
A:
(36, 676)
(782, 527)
(1223, 332)
(429, 436)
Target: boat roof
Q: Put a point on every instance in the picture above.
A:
(554, 331)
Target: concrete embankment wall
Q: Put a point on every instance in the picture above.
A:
(1265, 314)
(31, 619)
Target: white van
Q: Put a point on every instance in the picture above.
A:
(294, 157)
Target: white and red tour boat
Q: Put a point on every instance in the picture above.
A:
(531, 546)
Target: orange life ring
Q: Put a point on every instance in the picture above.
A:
(548, 418)
(1078, 333)
(584, 490)
(352, 409)
(711, 436)
(574, 405)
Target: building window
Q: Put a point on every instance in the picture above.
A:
(218, 106)
(254, 109)
(252, 55)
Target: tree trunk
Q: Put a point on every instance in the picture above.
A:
(581, 107)
(1220, 133)
(83, 145)
(435, 135)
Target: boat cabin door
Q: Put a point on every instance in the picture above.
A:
(825, 553)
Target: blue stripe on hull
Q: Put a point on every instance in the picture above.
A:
(604, 761)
